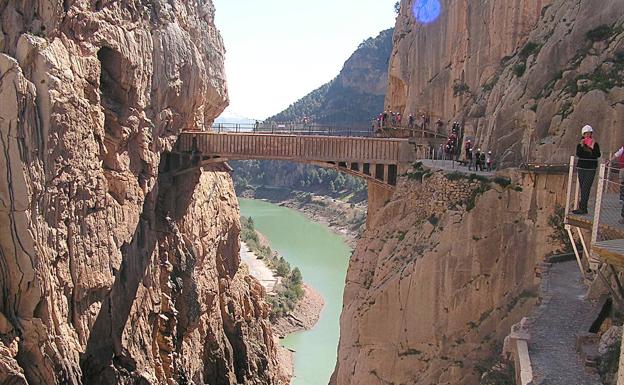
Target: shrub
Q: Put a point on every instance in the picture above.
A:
(600, 33)
(503, 182)
(460, 88)
(529, 49)
(519, 69)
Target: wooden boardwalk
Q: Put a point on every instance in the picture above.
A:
(611, 251)
(379, 160)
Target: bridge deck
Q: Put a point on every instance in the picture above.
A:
(299, 148)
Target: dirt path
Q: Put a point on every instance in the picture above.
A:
(554, 327)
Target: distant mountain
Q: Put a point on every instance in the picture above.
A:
(233, 118)
(356, 95)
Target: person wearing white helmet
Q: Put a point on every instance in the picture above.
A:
(588, 153)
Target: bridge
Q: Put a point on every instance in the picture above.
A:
(378, 160)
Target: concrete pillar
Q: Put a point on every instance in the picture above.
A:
(377, 198)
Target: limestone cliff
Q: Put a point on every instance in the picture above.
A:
(112, 268)
(440, 276)
(442, 272)
(523, 76)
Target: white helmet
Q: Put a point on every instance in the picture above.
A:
(587, 128)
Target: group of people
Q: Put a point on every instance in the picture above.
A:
(389, 118)
(588, 153)
(475, 159)
(478, 160)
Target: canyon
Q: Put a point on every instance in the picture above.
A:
(117, 268)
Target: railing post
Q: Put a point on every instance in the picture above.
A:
(570, 181)
(598, 207)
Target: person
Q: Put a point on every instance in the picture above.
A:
(410, 121)
(488, 161)
(482, 161)
(618, 157)
(468, 148)
(469, 159)
(477, 156)
(588, 153)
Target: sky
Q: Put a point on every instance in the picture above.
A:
(278, 51)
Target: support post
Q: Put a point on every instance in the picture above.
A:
(569, 196)
(576, 253)
(593, 263)
(598, 206)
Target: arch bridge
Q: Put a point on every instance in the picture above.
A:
(378, 160)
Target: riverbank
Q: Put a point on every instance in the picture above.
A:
(344, 218)
(304, 316)
(322, 256)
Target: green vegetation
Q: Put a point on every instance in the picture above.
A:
(420, 172)
(559, 234)
(490, 84)
(290, 289)
(600, 33)
(493, 371)
(503, 182)
(519, 69)
(604, 78)
(307, 178)
(460, 88)
(529, 49)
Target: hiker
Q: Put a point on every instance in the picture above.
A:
(469, 159)
(482, 161)
(410, 121)
(477, 156)
(618, 157)
(588, 153)
(488, 161)
(468, 148)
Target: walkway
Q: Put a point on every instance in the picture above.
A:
(448, 165)
(554, 327)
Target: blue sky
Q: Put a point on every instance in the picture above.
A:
(279, 50)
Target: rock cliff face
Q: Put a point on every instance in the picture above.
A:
(523, 76)
(440, 275)
(434, 285)
(356, 95)
(113, 268)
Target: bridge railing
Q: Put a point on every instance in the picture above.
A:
(326, 130)
(608, 214)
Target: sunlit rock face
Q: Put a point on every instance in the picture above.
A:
(522, 76)
(439, 276)
(433, 285)
(114, 270)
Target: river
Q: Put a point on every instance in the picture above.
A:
(323, 257)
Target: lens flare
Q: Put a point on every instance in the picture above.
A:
(426, 11)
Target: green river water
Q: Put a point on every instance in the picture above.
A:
(322, 256)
